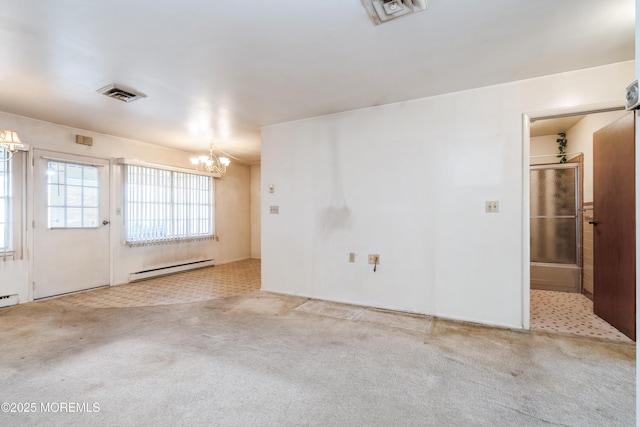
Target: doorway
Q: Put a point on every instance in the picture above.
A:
(579, 127)
(71, 208)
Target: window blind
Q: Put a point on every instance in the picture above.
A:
(6, 247)
(163, 206)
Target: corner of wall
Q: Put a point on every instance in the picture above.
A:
(255, 189)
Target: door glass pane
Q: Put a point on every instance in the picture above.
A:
(73, 195)
(56, 195)
(90, 217)
(90, 197)
(74, 174)
(56, 217)
(90, 176)
(74, 217)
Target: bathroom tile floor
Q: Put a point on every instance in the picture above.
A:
(569, 313)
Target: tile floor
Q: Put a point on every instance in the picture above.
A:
(569, 313)
(550, 311)
(221, 281)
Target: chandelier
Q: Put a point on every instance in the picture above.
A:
(211, 164)
(10, 142)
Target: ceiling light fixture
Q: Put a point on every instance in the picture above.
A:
(211, 164)
(10, 143)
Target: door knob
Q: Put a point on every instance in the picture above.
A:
(594, 222)
(105, 222)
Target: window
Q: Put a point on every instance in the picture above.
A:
(5, 207)
(167, 206)
(72, 192)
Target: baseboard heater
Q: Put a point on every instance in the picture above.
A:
(170, 269)
(8, 300)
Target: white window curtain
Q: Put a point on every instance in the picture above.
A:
(164, 206)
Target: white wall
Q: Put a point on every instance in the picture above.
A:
(255, 211)
(409, 181)
(232, 205)
(544, 146)
(580, 139)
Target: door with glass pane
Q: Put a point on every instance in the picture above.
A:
(71, 227)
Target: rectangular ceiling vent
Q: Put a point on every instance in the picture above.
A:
(381, 11)
(118, 92)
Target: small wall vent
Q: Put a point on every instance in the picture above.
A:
(381, 11)
(121, 94)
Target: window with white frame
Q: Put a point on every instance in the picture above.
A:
(72, 195)
(6, 209)
(167, 206)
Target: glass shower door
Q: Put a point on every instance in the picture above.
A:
(555, 227)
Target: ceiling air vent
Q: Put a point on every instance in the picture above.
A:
(118, 92)
(381, 11)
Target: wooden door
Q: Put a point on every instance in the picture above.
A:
(614, 288)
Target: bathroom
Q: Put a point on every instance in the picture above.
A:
(561, 207)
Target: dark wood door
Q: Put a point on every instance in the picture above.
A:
(614, 270)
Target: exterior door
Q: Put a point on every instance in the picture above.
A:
(614, 287)
(71, 227)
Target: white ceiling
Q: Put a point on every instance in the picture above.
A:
(220, 70)
(554, 126)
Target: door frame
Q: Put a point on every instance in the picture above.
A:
(526, 194)
(30, 218)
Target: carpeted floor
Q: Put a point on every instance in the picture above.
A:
(272, 360)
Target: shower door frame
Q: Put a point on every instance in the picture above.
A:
(569, 270)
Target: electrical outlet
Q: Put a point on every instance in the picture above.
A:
(492, 206)
(274, 210)
(374, 259)
(352, 257)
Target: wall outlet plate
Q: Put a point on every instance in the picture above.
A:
(274, 210)
(374, 259)
(492, 206)
(352, 257)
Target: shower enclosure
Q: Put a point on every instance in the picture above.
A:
(555, 228)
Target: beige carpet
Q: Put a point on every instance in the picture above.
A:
(264, 360)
